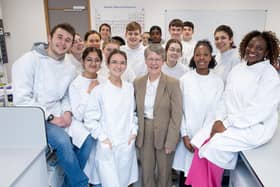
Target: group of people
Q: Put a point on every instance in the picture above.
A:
(174, 102)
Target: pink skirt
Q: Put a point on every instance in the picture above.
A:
(203, 173)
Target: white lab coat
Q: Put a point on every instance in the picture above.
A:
(136, 59)
(188, 49)
(39, 80)
(70, 59)
(79, 98)
(201, 94)
(78, 131)
(225, 62)
(176, 72)
(248, 111)
(111, 114)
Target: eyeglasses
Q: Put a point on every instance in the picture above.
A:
(154, 59)
(171, 49)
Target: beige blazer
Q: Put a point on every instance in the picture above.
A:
(167, 111)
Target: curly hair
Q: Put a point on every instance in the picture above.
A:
(271, 40)
(207, 44)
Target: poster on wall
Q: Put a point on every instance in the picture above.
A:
(118, 17)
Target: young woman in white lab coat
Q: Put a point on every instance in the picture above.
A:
(79, 93)
(107, 48)
(247, 116)
(112, 119)
(173, 66)
(201, 90)
(227, 56)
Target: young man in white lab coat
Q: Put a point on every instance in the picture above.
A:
(41, 78)
(134, 49)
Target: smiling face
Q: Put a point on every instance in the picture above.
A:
(93, 40)
(175, 32)
(187, 33)
(133, 38)
(202, 58)
(223, 41)
(145, 38)
(117, 65)
(105, 32)
(60, 43)
(256, 50)
(174, 52)
(78, 45)
(155, 36)
(154, 63)
(91, 64)
(108, 49)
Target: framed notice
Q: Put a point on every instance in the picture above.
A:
(118, 17)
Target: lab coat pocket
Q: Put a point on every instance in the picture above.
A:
(132, 143)
(103, 152)
(104, 145)
(105, 164)
(127, 162)
(128, 150)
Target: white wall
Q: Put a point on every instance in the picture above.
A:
(154, 12)
(25, 20)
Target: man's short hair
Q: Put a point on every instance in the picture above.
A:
(133, 26)
(176, 23)
(65, 26)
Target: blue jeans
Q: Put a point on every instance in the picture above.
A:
(71, 159)
(84, 151)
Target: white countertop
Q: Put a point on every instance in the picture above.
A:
(14, 162)
(265, 161)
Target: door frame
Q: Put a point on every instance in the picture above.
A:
(46, 9)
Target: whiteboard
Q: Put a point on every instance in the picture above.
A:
(206, 21)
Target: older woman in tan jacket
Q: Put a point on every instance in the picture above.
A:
(159, 109)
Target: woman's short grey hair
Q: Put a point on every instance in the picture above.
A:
(156, 48)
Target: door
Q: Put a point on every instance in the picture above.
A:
(74, 12)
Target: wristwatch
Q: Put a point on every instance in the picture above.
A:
(50, 118)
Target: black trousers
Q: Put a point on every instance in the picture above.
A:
(182, 180)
